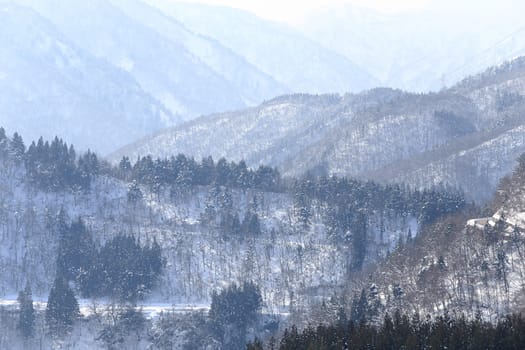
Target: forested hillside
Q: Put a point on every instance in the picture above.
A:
(458, 137)
(464, 273)
(176, 230)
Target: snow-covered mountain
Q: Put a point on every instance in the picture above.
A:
(247, 81)
(300, 64)
(162, 67)
(420, 50)
(458, 137)
(123, 69)
(49, 85)
(480, 159)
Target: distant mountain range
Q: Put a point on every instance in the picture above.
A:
(117, 70)
(467, 136)
(137, 69)
(49, 86)
(424, 50)
(300, 64)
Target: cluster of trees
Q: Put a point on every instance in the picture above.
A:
(50, 166)
(403, 332)
(121, 268)
(62, 308)
(53, 166)
(220, 212)
(61, 312)
(181, 173)
(56, 166)
(11, 148)
(350, 203)
(232, 311)
(347, 196)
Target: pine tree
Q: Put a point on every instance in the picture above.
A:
(3, 144)
(134, 193)
(62, 307)
(359, 307)
(76, 252)
(17, 148)
(359, 238)
(26, 317)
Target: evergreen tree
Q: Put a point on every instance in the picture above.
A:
(251, 224)
(302, 206)
(4, 144)
(134, 193)
(76, 252)
(124, 168)
(26, 316)
(17, 148)
(359, 238)
(223, 172)
(62, 307)
(206, 172)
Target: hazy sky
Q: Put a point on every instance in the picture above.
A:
(293, 10)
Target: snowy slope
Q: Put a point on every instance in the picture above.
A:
(164, 68)
(298, 63)
(465, 264)
(247, 81)
(450, 137)
(49, 86)
(481, 159)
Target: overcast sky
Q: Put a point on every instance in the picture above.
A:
(293, 10)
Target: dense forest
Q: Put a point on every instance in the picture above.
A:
(452, 332)
(127, 267)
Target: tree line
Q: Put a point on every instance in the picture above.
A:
(181, 173)
(403, 332)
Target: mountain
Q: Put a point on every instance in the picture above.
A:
(49, 85)
(247, 81)
(164, 68)
(181, 74)
(481, 159)
(421, 50)
(300, 64)
(458, 137)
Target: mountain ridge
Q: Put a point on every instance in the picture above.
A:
(362, 135)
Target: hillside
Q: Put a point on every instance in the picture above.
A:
(195, 228)
(298, 63)
(465, 264)
(251, 84)
(177, 79)
(446, 138)
(49, 85)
